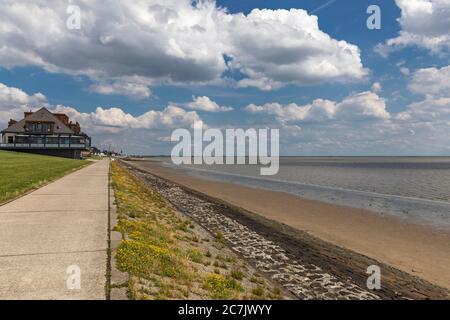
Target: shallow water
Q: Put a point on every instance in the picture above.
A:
(409, 187)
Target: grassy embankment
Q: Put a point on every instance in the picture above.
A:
(168, 256)
(22, 172)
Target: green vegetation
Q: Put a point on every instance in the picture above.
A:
(21, 172)
(259, 292)
(195, 255)
(221, 287)
(148, 252)
(220, 237)
(151, 254)
(166, 255)
(236, 274)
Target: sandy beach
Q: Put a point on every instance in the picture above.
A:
(420, 251)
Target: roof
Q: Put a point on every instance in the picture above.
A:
(42, 115)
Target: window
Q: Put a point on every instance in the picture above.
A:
(22, 139)
(10, 139)
(36, 127)
(46, 128)
(64, 140)
(52, 140)
(75, 140)
(36, 140)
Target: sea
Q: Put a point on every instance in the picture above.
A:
(412, 188)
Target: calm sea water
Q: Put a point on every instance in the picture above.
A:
(409, 187)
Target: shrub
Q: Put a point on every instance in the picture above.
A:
(236, 274)
(195, 255)
(221, 287)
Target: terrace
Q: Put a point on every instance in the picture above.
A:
(50, 142)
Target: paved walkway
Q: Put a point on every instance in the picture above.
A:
(60, 225)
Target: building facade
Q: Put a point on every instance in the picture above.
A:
(47, 133)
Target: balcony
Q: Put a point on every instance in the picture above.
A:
(41, 146)
(43, 142)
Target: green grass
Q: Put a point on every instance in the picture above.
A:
(21, 172)
(236, 274)
(222, 288)
(195, 255)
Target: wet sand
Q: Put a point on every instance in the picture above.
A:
(417, 250)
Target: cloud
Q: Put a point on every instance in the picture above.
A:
(322, 127)
(157, 41)
(376, 87)
(432, 111)
(431, 81)
(273, 48)
(141, 134)
(175, 42)
(318, 110)
(116, 120)
(14, 101)
(424, 23)
(12, 97)
(135, 91)
(405, 71)
(206, 104)
(361, 106)
(360, 125)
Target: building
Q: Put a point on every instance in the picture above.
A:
(45, 133)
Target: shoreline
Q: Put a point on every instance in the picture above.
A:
(164, 254)
(417, 250)
(421, 211)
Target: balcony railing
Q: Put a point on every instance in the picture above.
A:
(41, 146)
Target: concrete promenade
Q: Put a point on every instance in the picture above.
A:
(45, 232)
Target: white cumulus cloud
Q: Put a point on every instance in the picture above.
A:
(432, 111)
(276, 47)
(204, 103)
(424, 23)
(14, 101)
(11, 97)
(118, 120)
(431, 81)
(361, 106)
(173, 41)
(134, 90)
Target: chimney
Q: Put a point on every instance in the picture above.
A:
(62, 117)
(11, 122)
(26, 114)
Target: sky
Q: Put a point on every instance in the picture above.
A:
(131, 72)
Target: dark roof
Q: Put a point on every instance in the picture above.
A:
(41, 115)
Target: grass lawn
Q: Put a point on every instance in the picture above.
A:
(21, 172)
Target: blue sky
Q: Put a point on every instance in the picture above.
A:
(391, 123)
